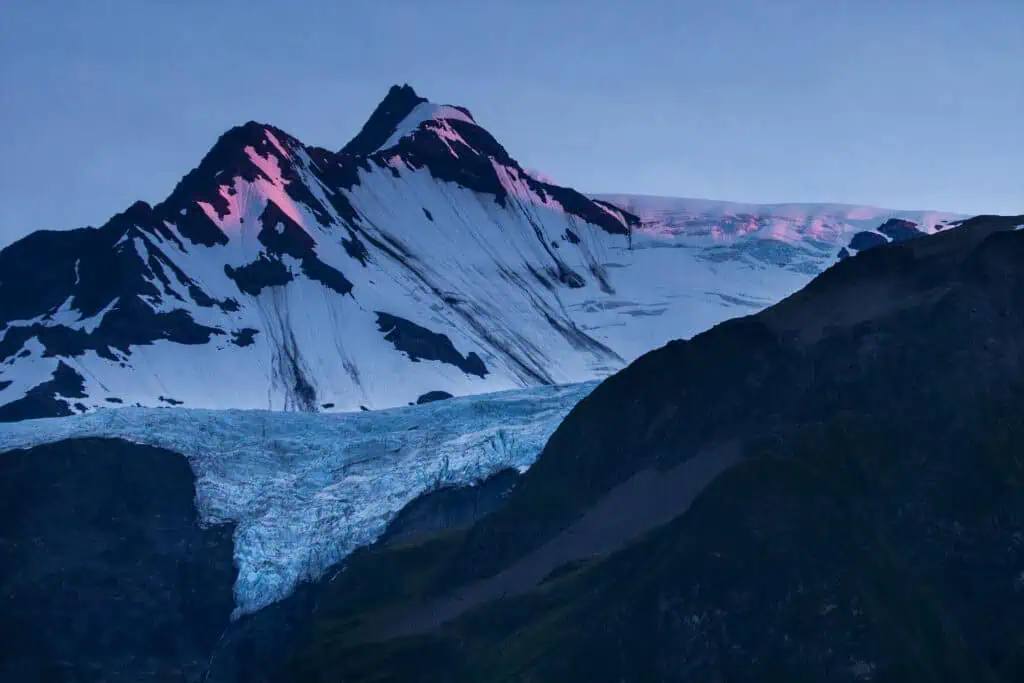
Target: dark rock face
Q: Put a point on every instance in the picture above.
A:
(871, 530)
(243, 337)
(283, 236)
(579, 205)
(329, 276)
(419, 343)
(893, 231)
(47, 399)
(451, 507)
(39, 270)
(867, 240)
(129, 322)
(432, 396)
(94, 270)
(900, 230)
(398, 103)
(264, 272)
(105, 571)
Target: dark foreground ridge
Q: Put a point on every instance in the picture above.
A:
(872, 528)
(105, 572)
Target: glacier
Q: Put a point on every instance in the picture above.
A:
(306, 489)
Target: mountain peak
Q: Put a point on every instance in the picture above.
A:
(227, 155)
(396, 106)
(230, 157)
(249, 133)
(399, 114)
(402, 92)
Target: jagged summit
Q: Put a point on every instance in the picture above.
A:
(400, 114)
(396, 105)
(228, 153)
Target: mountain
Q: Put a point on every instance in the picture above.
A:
(282, 275)
(419, 261)
(829, 490)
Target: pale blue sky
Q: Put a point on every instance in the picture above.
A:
(897, 103)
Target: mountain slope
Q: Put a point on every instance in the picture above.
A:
(830, 490)
(420, 260)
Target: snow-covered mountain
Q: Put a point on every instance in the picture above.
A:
(417, 262)
(418, 259)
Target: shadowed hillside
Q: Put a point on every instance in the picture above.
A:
(832, 490)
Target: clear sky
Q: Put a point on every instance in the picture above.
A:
(896, 103)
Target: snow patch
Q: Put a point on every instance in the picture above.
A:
(274, 190)
(277, 143)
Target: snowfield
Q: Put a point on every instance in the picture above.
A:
(307, 489)
(803, 237)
